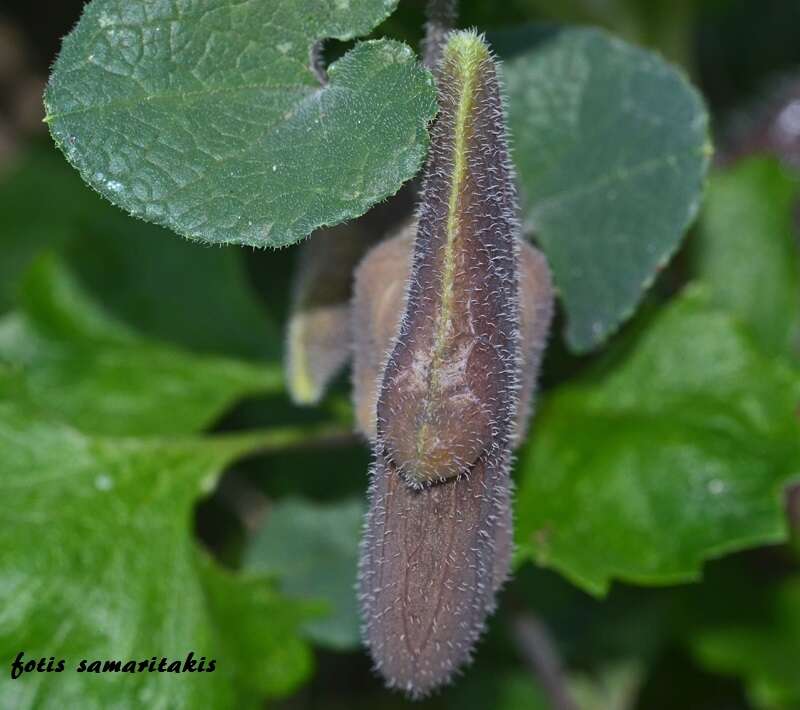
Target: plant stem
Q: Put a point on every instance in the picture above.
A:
(793, 513)
(267, 441)
(538, 650)
(442, 16)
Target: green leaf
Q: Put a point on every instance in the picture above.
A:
(96, 373)
(139, 275)
(97, 561)
(175, 290)
(206, 117)
(263, 631)
(497, 689)
(764, 652)
(680, 454)
(614, 686)
(747, 250)
(26, 228)
(612, 147)
(312, 549)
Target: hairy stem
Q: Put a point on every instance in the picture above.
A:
(442, 16)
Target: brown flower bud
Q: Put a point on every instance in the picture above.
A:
(379, 296)
(535, 314)
(432, 561)
(319, 338)
(437, 538)
(318, 342)
(379, 299)
(448, 392)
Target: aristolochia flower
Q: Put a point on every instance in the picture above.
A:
(463, 321)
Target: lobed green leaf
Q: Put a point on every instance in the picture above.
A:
(746, 250)
(96, 373)
(677, 455)
(97, 561)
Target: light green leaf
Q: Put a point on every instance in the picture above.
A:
(747, 250)
(96, 373)
(612, 147)
(680, 454)
(97, 561)
(173, 289)
(764, 652)
(497, 689)
(614, 686)
(204, 116)
(312, 549)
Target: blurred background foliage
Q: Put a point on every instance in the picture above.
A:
(728, 640)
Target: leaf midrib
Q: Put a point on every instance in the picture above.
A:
(189, 95)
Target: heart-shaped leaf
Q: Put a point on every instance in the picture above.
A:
(205, 115)
(612, 147)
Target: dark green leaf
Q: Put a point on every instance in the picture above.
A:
(27, 229)
(678, 455)
(764, 652)
(97, 561)
(747, 250)
(312, 549)
(612, 147)
(97, 374)
(205, 117)
(173, 289)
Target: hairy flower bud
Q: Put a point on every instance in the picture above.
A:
(318, 342)
(535, 314)
(437, 539)
(379, 301)
(379, 297)
(448, 393)
(319, 339)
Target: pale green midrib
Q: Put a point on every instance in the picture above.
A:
(466, 76)
(177, 97)
(304, 85)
